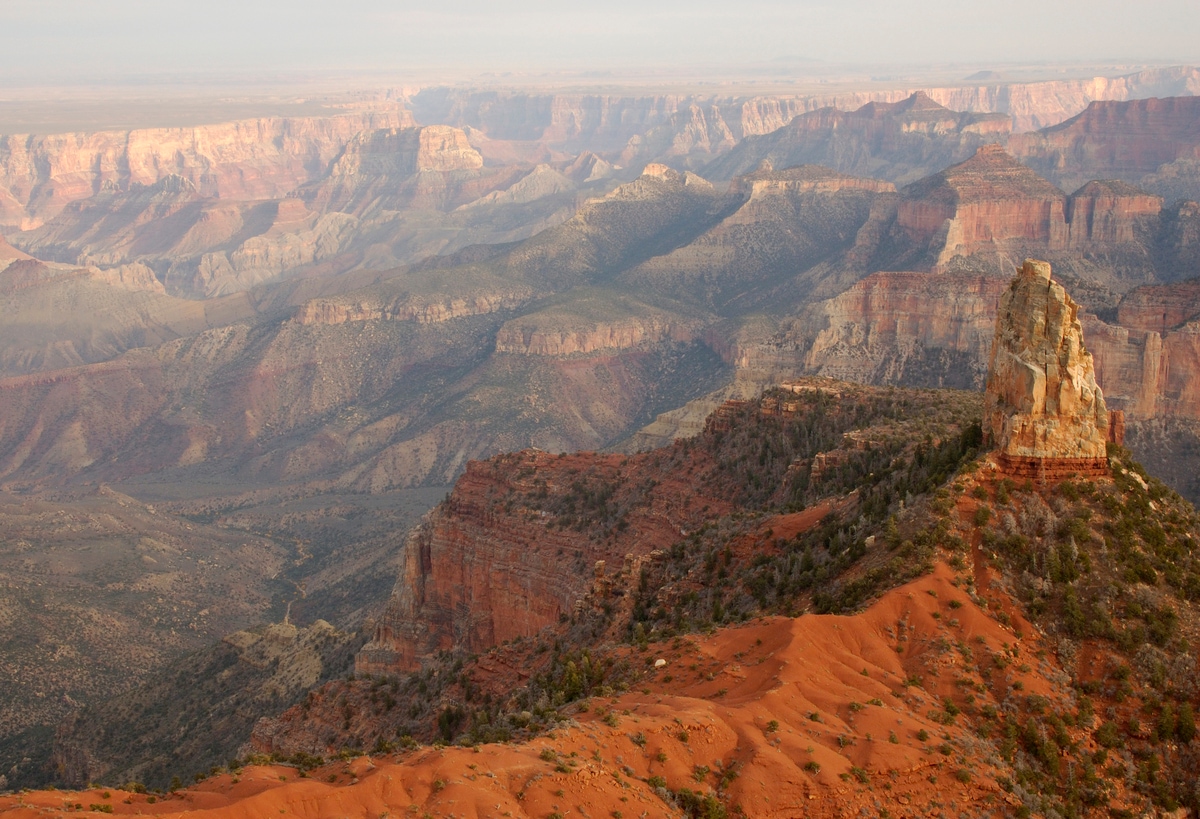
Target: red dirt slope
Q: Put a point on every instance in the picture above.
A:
(820, 715)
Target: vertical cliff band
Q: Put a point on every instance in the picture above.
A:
(1043, 411)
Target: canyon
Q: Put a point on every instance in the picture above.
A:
(605, 122)
(212, 210)
(665, 274)
(736, 672)
(289, 336)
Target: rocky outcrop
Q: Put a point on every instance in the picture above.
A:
(936, 330)
(1109, 212)
(249, 159)
(489, 565)
(1043, 411)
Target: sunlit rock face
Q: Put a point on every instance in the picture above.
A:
(1043, 411)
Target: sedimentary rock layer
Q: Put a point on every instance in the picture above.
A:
(249, 159)
(1041, 401)
(471, 578)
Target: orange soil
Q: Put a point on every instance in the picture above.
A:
(770, 697)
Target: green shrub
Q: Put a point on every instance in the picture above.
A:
(1108, 735)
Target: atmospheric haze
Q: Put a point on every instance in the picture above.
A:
(88, 40)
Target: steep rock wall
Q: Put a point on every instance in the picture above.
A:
(488, 566)
(248, 159)
(1115, 139)
(983, 202)
(523, 338)
(931, 329)
(1041, 402)
(1108, 213)
(899, 327)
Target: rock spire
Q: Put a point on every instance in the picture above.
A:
(1043, 411)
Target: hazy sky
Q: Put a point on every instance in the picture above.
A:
(65, 39)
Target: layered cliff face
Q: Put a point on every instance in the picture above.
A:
(365, 402)
(1044, 104)
(1127, 140)
(638, 289)
(386, 196)
(696, 130)
(1109, 212)
(982, 205)
(470, 579)
(200, 246)
(1042, 406)
(387, 200)
(982, 214)
(250, 159)
(1160, 308)
(592, 320)
(899, 141)
(693, 128)
(1153, 372)
(526, 538)
(426, 167)
(901, 328)
(272, 399)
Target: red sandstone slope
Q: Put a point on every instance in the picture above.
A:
(473, 553)
(1053, 609)
(471, 582)
(814, 714)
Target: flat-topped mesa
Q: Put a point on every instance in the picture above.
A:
(1043, 411)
